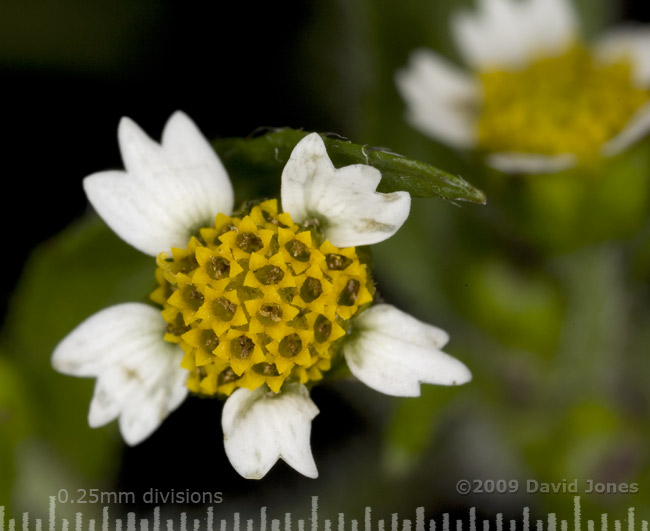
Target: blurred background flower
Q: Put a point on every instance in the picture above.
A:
(545, 291)
(540, 100)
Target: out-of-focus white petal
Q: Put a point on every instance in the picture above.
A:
(351, 212)
(392, 352)
(636, 128)
(167, 192)
(486, 38)
(550, 26)
(509, 33)
(530, 163)
(628, 43)
(442, 100)
(139, 377)
(261, 427)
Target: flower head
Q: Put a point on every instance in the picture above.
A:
(259, 300)
(538, 99)
(255, 305)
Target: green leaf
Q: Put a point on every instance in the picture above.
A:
(82, 270)
(266, 155)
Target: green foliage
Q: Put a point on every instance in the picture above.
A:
(80, 271)
(266, 155)
(524, 309)
(413, 426)
(562, 211)
(16, 422)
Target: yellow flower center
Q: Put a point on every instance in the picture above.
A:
(258, 300)
(569, 103)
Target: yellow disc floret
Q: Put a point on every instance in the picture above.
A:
(258, 300)
(569, 103)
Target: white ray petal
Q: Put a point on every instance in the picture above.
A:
(345, 201)
(509, 33)
(261, 427)
(549, 26)
(201, 166)
(487, 38)
(628, 43)
(636, 128)
(531, 163)
(167, 192)
(392, 352)
(442, 100)
(139, 378)
(156, 398)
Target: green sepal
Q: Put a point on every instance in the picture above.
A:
(266, 155)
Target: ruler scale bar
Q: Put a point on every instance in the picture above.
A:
(262, 522)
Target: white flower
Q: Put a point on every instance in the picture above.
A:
(536, 99)
(143, 363)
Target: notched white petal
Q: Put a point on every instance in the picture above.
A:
(344, 200)
(167, 192)
(139, 378)
(528, 163)
(159, 393)
(261, 427)
(200, 164)
(442, 100)
(393, 353)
